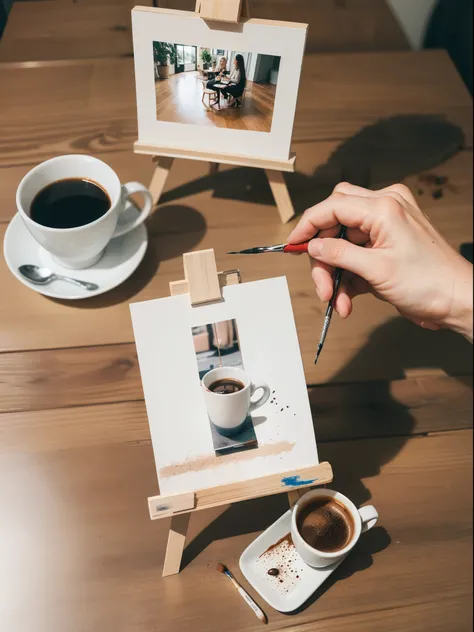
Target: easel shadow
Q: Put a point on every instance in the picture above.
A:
(378, 155)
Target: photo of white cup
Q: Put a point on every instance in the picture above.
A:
(228, 412)
(363, 519)
(81, 246)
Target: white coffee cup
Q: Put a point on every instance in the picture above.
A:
(81, 246)
(228, 412)
(363, 519)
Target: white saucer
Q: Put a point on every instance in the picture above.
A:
(120, 259)
(296, 581)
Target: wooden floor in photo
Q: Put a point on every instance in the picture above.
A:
(179, 100)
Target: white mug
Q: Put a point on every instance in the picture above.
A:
(81, 246)
(364, 519)
(228, 412)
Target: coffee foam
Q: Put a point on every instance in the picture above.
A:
(327, 527)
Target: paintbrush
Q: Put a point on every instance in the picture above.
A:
(243, 593)
(330, 307)
(256, 250)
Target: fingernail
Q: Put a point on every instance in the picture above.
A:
(319, 295)
(315, 247)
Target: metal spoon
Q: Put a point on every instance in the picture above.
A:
(43, 276)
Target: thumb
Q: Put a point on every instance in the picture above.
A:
(341, 253)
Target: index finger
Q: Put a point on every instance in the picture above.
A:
(350, 210)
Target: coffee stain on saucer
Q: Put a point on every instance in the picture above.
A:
(281, 564)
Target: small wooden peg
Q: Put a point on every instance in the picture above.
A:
(228, 277)
(200, 271)
(222, 10)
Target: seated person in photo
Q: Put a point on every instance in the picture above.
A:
(218, 73)
(238, 79)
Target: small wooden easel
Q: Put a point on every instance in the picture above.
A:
(204, 285)
(224, 11)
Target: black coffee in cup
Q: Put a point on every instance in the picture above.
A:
(69, 203)
(326, 525)
(226, 386)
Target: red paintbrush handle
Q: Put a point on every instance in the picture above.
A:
(296, 247)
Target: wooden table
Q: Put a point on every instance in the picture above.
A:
(392, 403)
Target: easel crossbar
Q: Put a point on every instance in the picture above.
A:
(168, 505)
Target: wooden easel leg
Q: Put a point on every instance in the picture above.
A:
(281, 194)
(294, 496)
(158, 180)
(176, 541)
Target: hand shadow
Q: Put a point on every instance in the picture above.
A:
(359, 559)
(367, 409)
(378, 155)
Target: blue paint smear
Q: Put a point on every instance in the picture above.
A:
(295, 481)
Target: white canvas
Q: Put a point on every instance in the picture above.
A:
(284, 39)
(179, 425)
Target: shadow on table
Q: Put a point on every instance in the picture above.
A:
(466, 251)
(172, 230)
(384, 422)
(396, 346)
(399, 345)
(360, 559)
(378, 155)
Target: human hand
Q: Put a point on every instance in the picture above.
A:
(392, 250)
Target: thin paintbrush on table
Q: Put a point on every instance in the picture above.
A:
(222, 568)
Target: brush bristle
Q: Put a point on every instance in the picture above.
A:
(221, 568)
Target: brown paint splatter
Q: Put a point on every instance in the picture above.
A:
(437, 184)
(211, 461)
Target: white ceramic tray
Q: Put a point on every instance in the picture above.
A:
(296, 581)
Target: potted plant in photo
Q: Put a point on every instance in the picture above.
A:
(164, 54)
(206, 58)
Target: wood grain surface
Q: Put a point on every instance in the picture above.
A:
(39, 30)
(330, 106)
(234, 209)
(391, 403)
(83, 552)
(408, 407)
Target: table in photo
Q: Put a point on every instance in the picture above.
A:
(218, 87)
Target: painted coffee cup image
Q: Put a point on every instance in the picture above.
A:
(326, 525)
(229, 396)
(74, 205)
